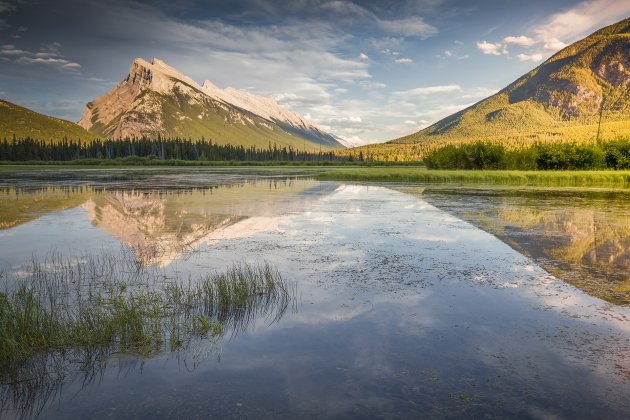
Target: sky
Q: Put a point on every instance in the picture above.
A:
(367, 71)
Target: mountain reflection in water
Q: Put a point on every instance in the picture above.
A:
(583, 237)
(160, 226)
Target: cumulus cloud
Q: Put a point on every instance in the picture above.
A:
(363, 56)
(491, 48)
(574, 23)
(403, 61)
(560, 29)
(522, 40)
(530, 57)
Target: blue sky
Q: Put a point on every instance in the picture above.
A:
(365, 70)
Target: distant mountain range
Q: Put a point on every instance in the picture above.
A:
(559, 100)
(156, 99)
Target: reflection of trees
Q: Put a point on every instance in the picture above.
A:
(188, 320)
(19, 206)
(593, 244)
(582, 237)
(162, 225)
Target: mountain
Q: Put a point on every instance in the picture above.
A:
(22, 122)
(559, 100)
(156, 99)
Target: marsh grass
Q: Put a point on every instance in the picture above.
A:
(588, 179)
(72, 315)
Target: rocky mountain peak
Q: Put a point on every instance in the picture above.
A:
(155, 98)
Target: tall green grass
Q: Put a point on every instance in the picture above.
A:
(587, 179)
(62, 315)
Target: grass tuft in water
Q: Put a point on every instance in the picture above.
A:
(104, 305)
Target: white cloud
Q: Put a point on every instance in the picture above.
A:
(387, 51)
(491, 48)
(403, 61)
(560, 29)
(577, 22)
(363, 56)
(522, 40)
(282, 97)
(350, 119)
(48, 56)
(54, 62)
(530, 57)
(425, 91)
(411, 26)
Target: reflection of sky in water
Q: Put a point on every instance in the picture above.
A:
(405, 311)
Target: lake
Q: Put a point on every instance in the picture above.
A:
(410, 300)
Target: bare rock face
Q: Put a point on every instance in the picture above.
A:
(156, 99)
(615, 71)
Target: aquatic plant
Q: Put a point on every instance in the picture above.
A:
(65, 315)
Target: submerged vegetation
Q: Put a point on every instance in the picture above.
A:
(560, 156)
(62, 314)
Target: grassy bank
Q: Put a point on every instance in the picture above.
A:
(600, 179)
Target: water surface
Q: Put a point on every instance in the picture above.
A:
(405, 310)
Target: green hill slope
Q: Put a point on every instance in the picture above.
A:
(22, 122)
(559, 100)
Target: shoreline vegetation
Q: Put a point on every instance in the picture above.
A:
(584, 179)
(613, 154)
(100, 305)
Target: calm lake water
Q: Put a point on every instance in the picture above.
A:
(412, 301)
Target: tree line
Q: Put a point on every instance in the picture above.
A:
(28, 149)
(613, 154)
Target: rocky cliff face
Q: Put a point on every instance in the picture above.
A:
(156, 99)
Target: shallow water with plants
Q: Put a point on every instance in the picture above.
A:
(345, 300)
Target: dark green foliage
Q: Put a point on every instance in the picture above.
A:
(617, 154)
(138, 151)
(469, 156)
(560, 156)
